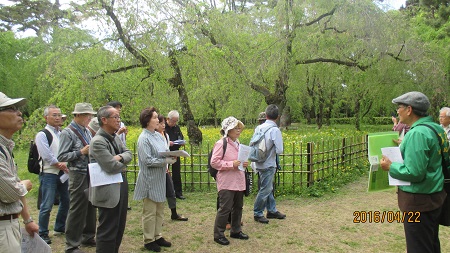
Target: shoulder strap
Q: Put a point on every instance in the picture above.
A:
(444, 163)
(268, 129)
(48, 135)
(224, 146)
(78, 134)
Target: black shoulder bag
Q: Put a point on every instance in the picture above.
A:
(444, 218)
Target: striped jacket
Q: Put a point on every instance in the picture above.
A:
(151, 181)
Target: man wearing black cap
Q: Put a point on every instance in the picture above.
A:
(421, 201)
(12, 189)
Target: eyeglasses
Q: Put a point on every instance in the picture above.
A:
(11, 108)
(56, 115)
(115, 117)
(401, 106)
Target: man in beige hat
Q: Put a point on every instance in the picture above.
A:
(12, 189)
(74, 149)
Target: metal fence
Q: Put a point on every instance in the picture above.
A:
(302, 164)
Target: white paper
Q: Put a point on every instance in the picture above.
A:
(33, 244)
(175, 153)
(394, 154)
(99, 177)
(64, 177)
(243, 154)
(179, 142)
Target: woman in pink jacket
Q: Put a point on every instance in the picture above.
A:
(230, 182)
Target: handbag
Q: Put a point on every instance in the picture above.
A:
(248, 182)
(444, 218)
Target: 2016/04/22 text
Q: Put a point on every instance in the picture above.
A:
(385, 216)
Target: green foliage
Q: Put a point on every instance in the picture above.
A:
(333, 182)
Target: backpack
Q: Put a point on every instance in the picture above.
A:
(34, 159)
(211, 170)
(258, 150)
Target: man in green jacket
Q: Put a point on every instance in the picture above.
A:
(421, 201)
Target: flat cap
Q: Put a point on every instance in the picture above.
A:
(415, 99)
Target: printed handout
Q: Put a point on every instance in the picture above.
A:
(31, 244)
(176, 153)
(394, 154)
(243, 154)
(99, 177)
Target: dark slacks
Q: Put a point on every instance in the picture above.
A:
(80, 223)
(170, 192)
(176, 177)
(229, 201)
(423, 236)
(111, 223)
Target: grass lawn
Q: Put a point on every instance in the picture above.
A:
(323, 224)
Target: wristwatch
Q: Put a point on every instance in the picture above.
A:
(29, 220)
(121, 158)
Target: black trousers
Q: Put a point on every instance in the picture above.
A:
(230, 202)
(111, 223)
(176, 177)
(422, 231)
(170, 192)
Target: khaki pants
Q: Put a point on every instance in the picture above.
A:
(10, 237)
(152, 219)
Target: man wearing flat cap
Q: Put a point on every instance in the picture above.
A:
(421, 201)
(12, 189)
(74, 149)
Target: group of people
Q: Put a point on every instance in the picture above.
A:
(87, 140)
(231, 180)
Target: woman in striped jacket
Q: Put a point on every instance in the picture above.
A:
(151, 181)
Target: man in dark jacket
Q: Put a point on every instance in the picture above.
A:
(175, 134)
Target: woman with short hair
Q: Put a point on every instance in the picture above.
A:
(151, 181)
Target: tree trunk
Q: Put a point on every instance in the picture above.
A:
(194, 133)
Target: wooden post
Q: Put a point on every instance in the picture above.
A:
(310, 163)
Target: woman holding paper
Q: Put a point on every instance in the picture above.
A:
(151, 181)
(230, 182)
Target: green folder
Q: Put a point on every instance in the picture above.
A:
(378, 180)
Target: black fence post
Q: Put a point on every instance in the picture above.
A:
(310, 163)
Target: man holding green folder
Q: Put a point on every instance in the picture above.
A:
(421, 202)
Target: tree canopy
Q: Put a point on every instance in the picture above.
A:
(317, 60)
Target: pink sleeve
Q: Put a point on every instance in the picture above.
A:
(216, 158)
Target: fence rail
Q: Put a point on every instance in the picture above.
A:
(302, 164)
